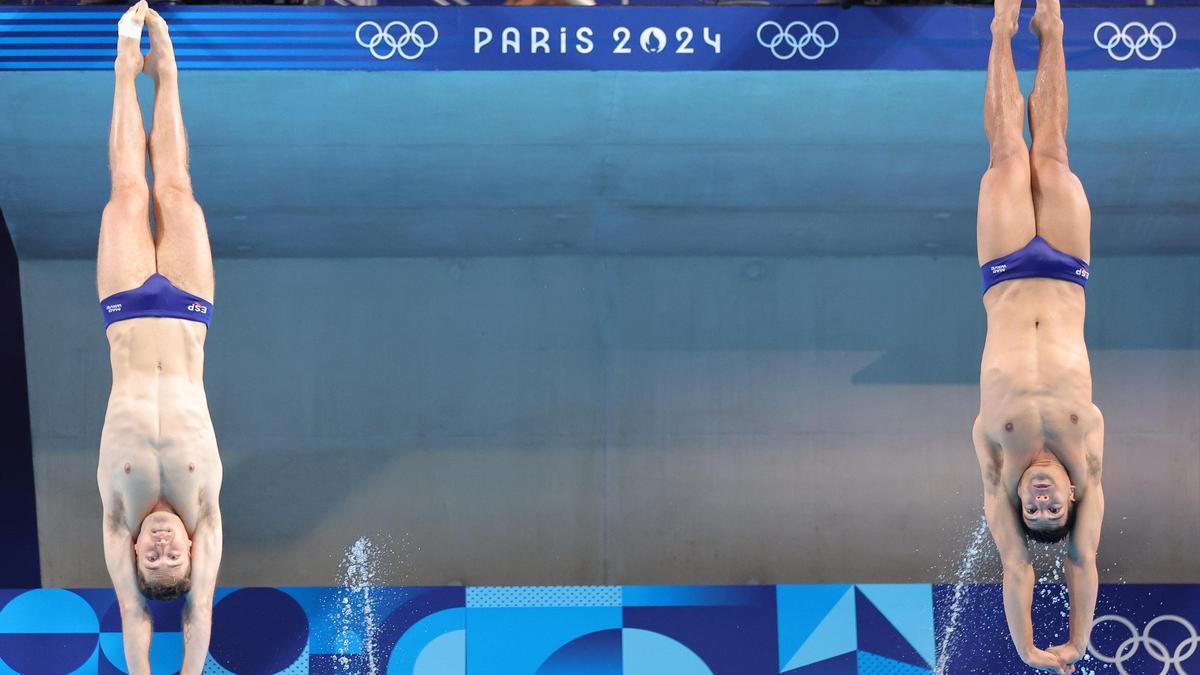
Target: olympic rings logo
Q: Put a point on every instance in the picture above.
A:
(1154, 647)
(410, 44)
(1124, 42)
(784, 45)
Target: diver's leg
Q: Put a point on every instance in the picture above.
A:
(125, 255)
(1063, 216)
(1005, 218)
(184, 255)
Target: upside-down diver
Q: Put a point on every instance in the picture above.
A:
(1039, 438)
(159, 471)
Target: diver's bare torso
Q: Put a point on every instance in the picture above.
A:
(1036, 383)
(157, 447)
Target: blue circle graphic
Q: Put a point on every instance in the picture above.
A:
(258, 631)
(47, 631)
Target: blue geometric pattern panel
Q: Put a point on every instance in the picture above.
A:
(865, 629)
(856, 629)
(725, 630)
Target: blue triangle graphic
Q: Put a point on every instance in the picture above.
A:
(833, 636)
(876, 634)
(800, 610)
(845, 664)
(874, 664)
(909, 608)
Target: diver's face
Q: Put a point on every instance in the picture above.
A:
(163, 547)
(1045, 495)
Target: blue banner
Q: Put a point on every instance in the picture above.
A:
(598, 38)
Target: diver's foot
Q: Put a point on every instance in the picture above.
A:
(160, 62)
(129, 40)
(1004, 24)
(1047, 22)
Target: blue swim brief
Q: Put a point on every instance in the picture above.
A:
(1036, 259)
(157, 297)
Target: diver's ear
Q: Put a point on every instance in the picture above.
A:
(1072, 493)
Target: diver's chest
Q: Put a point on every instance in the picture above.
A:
(1040, 422)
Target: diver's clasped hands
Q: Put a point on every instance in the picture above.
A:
(1058, 659)
(1068, 653)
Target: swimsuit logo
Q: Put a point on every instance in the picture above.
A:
(1082, 273)
(999, 269)
(197, 307)
(112, 308)
(1123, 43)
(784, 45)
(410, 43)
(1172, 660)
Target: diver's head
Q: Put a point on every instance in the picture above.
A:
(1046, 499)
(163, 554)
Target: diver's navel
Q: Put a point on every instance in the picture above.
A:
(1074, 418)
(1008, 426)
(128, 467)
(191, 466)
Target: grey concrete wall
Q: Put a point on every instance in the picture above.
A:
(626, 420)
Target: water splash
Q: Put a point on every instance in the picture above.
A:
(965, 573)
(362, 569)
(1051, 583)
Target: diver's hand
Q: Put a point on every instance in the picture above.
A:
(1067, 653)
(1044, 660)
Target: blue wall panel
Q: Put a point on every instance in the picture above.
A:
(19, 566)
(605, 630)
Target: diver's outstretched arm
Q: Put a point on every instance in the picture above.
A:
(1083, 580)
(1083, 585)
(1002, 517)
(1018, 608)
(136, 627)
(197, 614)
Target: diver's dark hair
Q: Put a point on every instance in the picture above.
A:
(167, 591)
(1052, 536)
